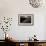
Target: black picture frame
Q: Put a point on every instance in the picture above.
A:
(25, 19)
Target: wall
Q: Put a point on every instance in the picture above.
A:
(11, 8)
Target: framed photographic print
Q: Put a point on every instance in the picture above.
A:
(26, 19)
